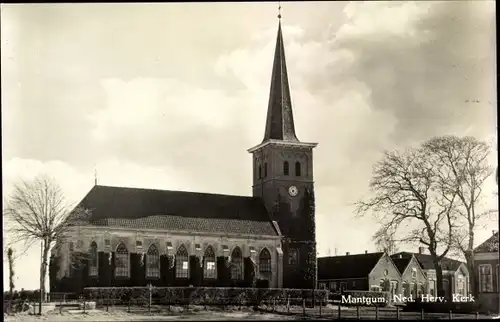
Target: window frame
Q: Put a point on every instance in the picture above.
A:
(123, 271)
(265, 262)
(180, 271)
(209, 254)
(153, 253)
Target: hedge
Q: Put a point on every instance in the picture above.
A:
(200, 295)
(362, 294)
(442, 307)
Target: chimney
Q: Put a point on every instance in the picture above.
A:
(494, 232)
(347, 253)
(421, 250)
(366, 252)
(400, 256)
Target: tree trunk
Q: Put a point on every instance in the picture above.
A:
(439, 279)
(469, 258)
(43, 270)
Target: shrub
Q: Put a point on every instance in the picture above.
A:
(442, 307)
(372, 295)
(200, 295)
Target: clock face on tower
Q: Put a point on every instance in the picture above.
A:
(293, 191)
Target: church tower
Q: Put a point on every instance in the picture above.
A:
(283, 178)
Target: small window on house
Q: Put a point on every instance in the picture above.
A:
(322, 286)
(71, 247)
(343, 286)
(293, 256)
(169, 245)
(79, 244)
(297, 169)
(414, 272)
(138, 243)
(333, 286)
(485, 278)
(107, 243)
(197, 246)
(286, 168)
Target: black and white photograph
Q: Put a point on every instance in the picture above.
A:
(278, 160)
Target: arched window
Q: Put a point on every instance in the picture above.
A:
(297, 169)
(236, 264)
(182, 263)
(93, 262)
(121, 261)
(260, 172)
(153, 262)
(286, 168)
(265, 169)
(209, 268)
(265, 261)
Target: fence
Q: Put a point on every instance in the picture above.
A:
(298, 306)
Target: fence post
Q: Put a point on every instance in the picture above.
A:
(60, 306)
(129, 299)
(340, 314)
(107, 303)
(84, 306)
(274, 304)
(304, 306)
(320, 305)
(150, 297)
(397, 312)
(288, 303)
(357, 312)
(449, 315)
(477, 315)
(376, 312)
(422, 314)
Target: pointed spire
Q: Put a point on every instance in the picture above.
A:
(279, 124)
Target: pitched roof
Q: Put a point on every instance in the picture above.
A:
(490, 245)
(347, 266)
(279, 123)
(425, 261)
(177, 210)
(401, 262)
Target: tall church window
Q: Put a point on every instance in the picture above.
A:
(209, 268)
(265, 169)
(182, 263)
(93, 267)
(236, 264)
(265, 261)
(153, 262)
(286, 168)
(297, 169)
(485, 278)
(122, 261)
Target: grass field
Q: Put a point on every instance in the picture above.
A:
(117, 313)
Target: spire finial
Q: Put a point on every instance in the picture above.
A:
(279, 9)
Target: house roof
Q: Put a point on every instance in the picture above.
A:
(425, 261)
(177, 210)
(347, 266)
(490, 245)
(401, 262)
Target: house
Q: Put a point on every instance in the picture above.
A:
(486, 261)
(455, 273)
(413, 278)
(139, 236)
(365, 272)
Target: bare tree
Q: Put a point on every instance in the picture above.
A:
(406, 203)
(385, 241)
(464, 168)
(36, 211)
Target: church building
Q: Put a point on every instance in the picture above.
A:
(134, 237)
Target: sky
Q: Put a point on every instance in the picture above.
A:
(170, 96)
